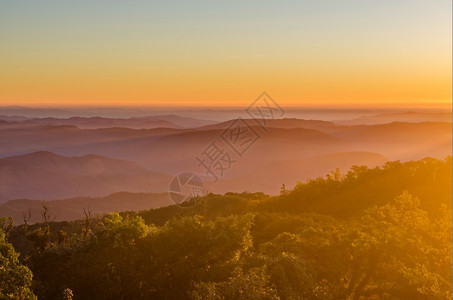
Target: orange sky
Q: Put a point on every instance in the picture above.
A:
(58, 54)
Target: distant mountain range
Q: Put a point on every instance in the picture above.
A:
(409, 116)
(339, 114)
(47, 176)
(174, 150)
(164, 121)
(53, 158)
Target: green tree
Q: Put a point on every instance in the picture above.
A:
(253, 285)
(399, 252)
(15, 279)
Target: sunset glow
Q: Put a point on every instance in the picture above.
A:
(225, 54)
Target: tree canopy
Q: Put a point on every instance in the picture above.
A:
(383, 233)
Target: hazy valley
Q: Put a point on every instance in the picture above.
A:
(53, 158)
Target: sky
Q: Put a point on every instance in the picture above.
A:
(225, 53)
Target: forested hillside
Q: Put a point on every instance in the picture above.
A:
(380, 233)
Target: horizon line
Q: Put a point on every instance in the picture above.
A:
(428, 105)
